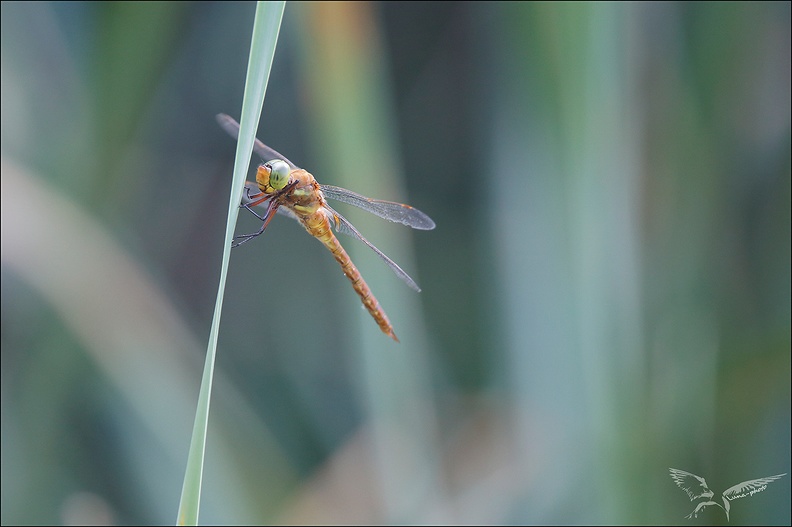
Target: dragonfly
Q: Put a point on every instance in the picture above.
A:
(283, 187)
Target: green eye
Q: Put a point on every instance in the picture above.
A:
(279, 173)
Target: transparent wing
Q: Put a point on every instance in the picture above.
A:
(343, 226)
(230, 125)
(389, 210)
(749, 488)
(396, 212)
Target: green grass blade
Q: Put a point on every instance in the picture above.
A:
(262, 50)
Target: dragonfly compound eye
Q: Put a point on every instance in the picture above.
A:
(279, 173)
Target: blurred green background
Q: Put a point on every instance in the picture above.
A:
(606, 295)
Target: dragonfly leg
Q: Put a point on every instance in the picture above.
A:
(253, 212)
(257, 197)
(242, 238)
(248, 196)
(254, 200)
(272, 207)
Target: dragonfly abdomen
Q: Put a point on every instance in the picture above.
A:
(320, 228)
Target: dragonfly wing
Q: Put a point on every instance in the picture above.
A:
(342, 225)
(230, 125)
(389, 210)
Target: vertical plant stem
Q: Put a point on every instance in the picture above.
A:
(262, 51)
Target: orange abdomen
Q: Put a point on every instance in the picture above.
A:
(319, 226)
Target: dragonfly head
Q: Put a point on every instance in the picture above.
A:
(273, 174)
